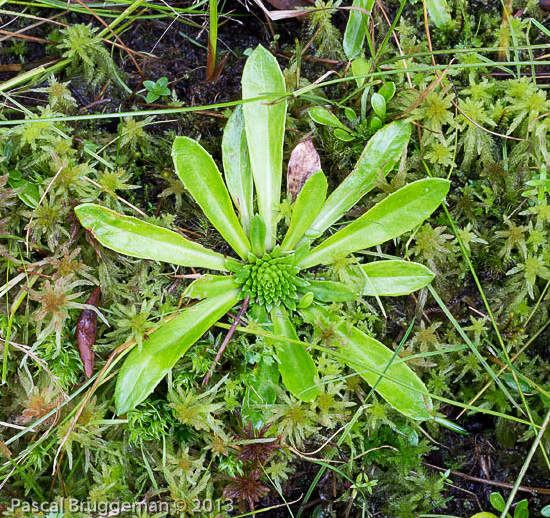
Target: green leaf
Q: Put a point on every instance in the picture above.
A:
(152, 96)
(331, 291)
(356, 29)
(451, 425)
(484, 515)
(438, 11)
(396, 214)
(236, 166)
(360, 67)
(295, 363)
(260, 391)
(306, 300)
(375, 124)
(211, 286)
(545, 511)
(265, 128)
(145, 368)
(309, 202)
(201, 177)
(131, 236)
(378, 105)
(380, 155)
(497, 501)
(521, 510)
(343, 135)
(394, 278)
(29, 193)
(370, 358)
(350, 114)
(257, 235)
(387, 91)
(322, 116)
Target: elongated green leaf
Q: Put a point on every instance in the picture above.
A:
(393, 278)
(309, 202)
(438, 10)
(145, 368)
(360, 67)
(330, 291)
(265, 128)
(131, 236)
(295, 363)
(236, 166)
(260, 392)
(211, 286)
(363, 354)
(201, 177)
(322, 116)
(356, 29)
(380, 155)
(400, 212)
(257, 235)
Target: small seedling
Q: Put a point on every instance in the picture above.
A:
(497, 501)
(156, 90)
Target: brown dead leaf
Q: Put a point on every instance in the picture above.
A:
(304, 161)
(86, 332)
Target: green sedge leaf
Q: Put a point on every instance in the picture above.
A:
(144, 369)
(331, 291)
(396, 214)
(380, 155)
(295, 363)
(265, 128)
(394, 277)
(450, 425)
(236, 166)
(201, 177)
(131, 236)
(211, 286)
(376, 365)
(309, 202)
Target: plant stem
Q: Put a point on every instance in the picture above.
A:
(226, 341)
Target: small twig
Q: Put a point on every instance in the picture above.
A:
(534, 490)
(226, 341)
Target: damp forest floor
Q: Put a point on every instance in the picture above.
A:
(476, 93)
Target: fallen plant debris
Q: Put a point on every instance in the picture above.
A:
(86, 333)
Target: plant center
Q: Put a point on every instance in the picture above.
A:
(271, 280)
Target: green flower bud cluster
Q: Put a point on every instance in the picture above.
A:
(271, 280)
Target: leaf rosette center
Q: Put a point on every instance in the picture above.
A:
(270, 280)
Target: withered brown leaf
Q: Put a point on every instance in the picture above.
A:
(86, 332)
(304, 161)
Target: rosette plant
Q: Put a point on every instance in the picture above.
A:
(286, 281)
